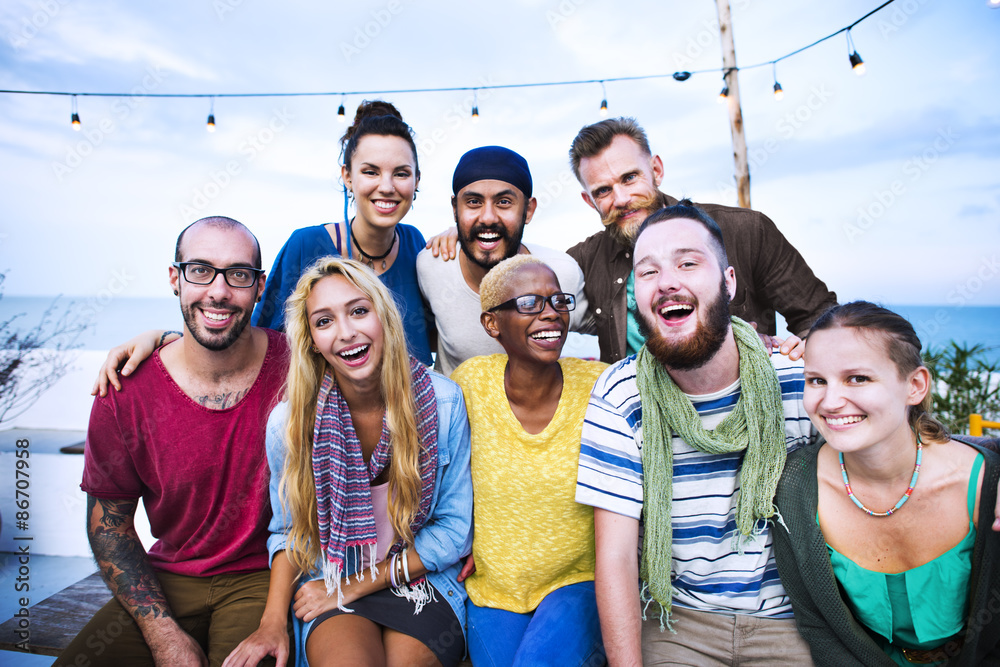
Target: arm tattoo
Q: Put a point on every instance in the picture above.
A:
(222, 401)
(167, 333)
(122, 559)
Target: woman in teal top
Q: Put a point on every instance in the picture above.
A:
(893, 569)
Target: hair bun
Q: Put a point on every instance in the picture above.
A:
(376, 117)
(376, 108)
(369, 109)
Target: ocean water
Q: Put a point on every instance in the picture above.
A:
(113, 320)
(107, 321)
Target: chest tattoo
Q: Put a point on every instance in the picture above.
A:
(221, 401)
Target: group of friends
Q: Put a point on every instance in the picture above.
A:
(706, 494)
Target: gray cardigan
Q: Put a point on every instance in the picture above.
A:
(821, 614)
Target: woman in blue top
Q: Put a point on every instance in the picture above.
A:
(381, 174)
(370, 488)
(883, 550)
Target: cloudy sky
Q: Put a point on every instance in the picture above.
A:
(889, 184)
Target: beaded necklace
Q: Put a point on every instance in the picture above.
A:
(906, 496)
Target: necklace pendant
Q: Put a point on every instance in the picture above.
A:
(383, 265)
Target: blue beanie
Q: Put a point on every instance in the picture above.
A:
(492, 163)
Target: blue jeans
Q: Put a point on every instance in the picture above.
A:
(563, 630)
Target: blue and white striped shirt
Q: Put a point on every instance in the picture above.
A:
(709, 573)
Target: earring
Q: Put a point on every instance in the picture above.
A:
(258, 299)
(315, 349)
(176, 293)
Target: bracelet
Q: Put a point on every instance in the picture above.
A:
(406, 564)
(392, 572)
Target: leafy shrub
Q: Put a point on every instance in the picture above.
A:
(965, 383)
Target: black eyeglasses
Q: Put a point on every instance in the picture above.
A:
(204, 274)
(532, 304)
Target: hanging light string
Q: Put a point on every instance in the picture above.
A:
(74, 118)
(678, 76)
(211, 116)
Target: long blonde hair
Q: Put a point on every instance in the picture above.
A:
(305, 374)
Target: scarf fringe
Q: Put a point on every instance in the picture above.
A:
(420, 593)
(331, 578)
(646, 598)
(780, 519)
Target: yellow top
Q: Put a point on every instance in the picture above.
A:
(531, 536)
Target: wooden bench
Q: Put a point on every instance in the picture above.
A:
(56, 620)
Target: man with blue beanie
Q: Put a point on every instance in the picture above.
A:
(492, 203)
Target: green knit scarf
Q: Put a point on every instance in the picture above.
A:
(756, 424)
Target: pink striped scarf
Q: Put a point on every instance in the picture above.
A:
(343, 481)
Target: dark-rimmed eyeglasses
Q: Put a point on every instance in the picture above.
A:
(532, 304)
(197, 273)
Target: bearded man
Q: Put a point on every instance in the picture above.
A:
(690, 436)
(492, 203)
(620, 178)
(185, 432)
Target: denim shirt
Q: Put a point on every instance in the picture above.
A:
(445, 537)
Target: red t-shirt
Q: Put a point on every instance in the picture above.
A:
(202, 474)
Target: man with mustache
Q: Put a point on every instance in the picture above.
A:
(492, 203)
(185, 433)
(690, 436)
(621, 177)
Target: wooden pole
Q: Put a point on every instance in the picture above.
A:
(733, 101)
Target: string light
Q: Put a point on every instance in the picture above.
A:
(211, 117)
(724, 93)
(604, 100)
(341, 112)
(75, 118)
(857, 64)
(475, 106)
(779, 94)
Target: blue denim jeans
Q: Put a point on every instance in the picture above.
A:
(563, 630)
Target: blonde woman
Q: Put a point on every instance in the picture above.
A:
(370, 487)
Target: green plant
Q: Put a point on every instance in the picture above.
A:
(965, 382)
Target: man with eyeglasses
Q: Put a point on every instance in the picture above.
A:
(185, 432)
(492, 203)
